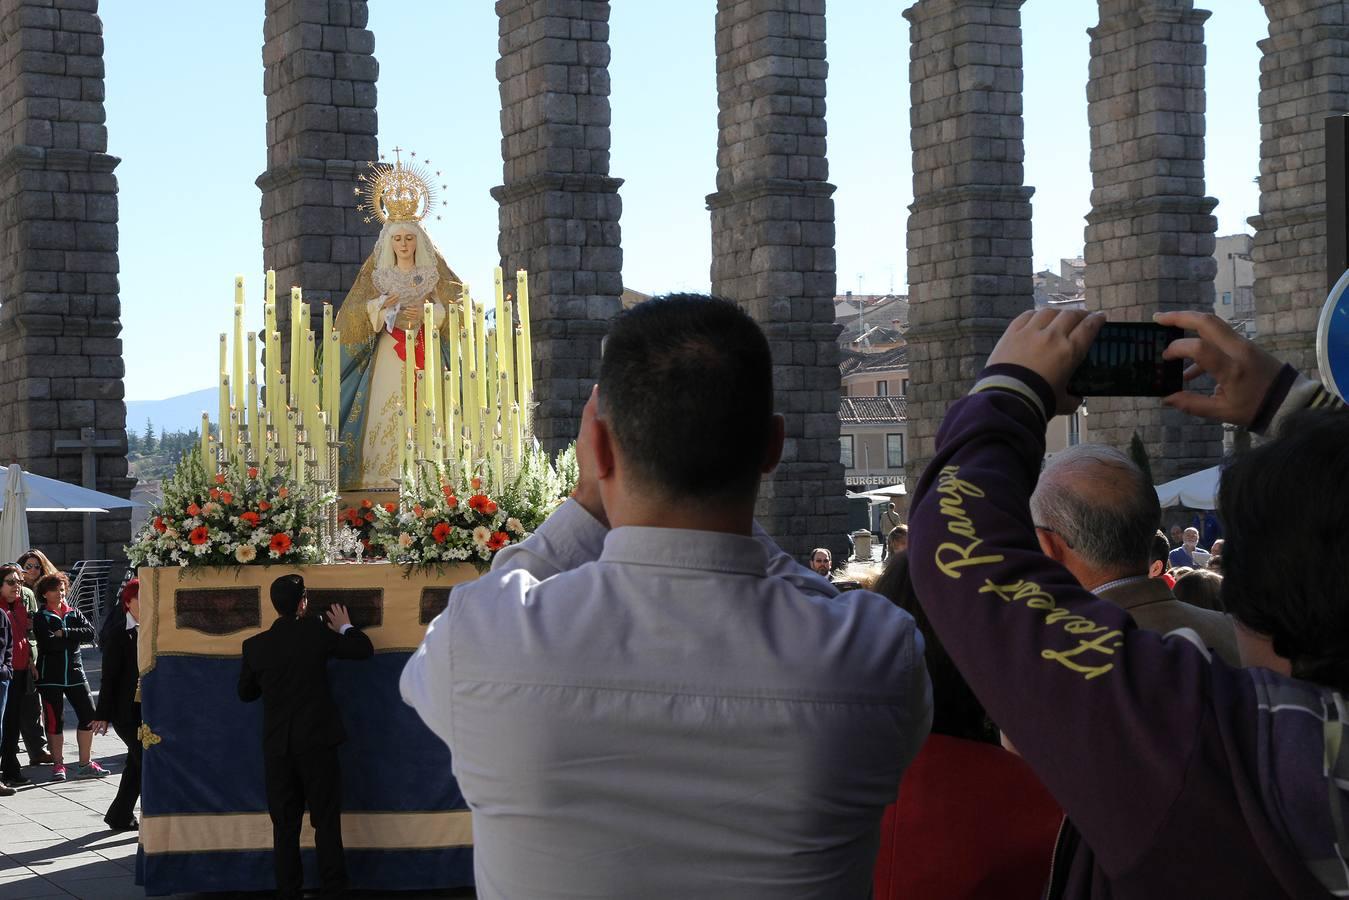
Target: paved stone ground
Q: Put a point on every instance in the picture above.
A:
(53, 842)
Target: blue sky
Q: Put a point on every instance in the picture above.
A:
(188, 120)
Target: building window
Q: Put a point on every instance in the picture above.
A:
(845, 450)
(1227, 298)
(882, 389)
(894, 451)
(1074, 430)
(904, 388)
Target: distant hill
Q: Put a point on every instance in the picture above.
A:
(180, 413)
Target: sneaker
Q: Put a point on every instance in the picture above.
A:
(59, 772)
(93, 770)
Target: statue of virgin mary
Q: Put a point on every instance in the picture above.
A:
(381, 322)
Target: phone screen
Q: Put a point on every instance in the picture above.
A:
(1125, 360)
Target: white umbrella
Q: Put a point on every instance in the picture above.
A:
(49, 495)
(14, 517)
(1198, 490)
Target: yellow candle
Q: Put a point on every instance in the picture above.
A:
(250, 407)
(431, 384)
(333, 379)
(419, 423)
(525, 361)
(409, 377)
(238, 372)
(276, 390)
(207, 462)
(281, 419)
(493, 379)
(323, 349)
(310, 395)
(224, 354)
(312, 418)
(448, 418)
(224, 410)
(507, 350)
(294, 364)
(402, 449)
(498, 474)
(480, 355)
(254, 416)
(513, 435)
(500, 308)
(450, 395)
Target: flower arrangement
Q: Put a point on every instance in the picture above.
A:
(239, 516)
(452, 516)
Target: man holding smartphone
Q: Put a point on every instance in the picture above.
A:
(287, 666)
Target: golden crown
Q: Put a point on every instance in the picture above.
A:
(397, 191)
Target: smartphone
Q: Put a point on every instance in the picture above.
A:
(1125, 360)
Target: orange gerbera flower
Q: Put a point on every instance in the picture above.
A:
(193, 509)
(280, 542)
(441, 532)
(251, 518)
(490, 507)
(200, 535)
(159, 525)
(478, 502)
(215, 493)
(498, 540)
(226, 497)
(220, 478)
(391, 508)
(263, 506)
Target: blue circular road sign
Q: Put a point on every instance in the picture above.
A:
(1332, 338)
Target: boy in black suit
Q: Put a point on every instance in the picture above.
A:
(287, 666)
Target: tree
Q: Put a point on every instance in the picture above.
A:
(148, 437)
(1139, 454)
(133, 441)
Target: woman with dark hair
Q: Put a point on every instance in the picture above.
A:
(1201, 588)
(32, 565)
(61, 629)
(23, 680)
(117, 703)
(972, 821)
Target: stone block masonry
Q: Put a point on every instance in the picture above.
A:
(773, 247)
(1149, 235)
(1304, 78)
(319, 73)
(61, 365)
(969, 234)
(559, 206)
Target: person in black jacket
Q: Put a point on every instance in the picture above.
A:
(61, 630)
(287, 666)
(118, 705)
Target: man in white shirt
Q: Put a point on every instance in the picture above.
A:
(648, 698)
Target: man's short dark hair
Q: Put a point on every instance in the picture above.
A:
(287, 592)
(686, 388)
(1161, 549)
(1288, 582)
(1109, 524)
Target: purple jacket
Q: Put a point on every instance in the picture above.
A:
(1184, 776)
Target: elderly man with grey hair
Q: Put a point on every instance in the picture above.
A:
(1096, 513)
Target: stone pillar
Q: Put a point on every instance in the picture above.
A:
(559, 206)
(61, 363)
(969, 235)
(1303, 80)
(319, 74)
(773, 246)
(1150, 230)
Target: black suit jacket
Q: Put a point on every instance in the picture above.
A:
(120, 672)
(287, 666)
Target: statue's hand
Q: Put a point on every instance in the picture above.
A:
(391, 302)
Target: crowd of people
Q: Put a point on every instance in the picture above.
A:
(42, 637)
(1041, 695)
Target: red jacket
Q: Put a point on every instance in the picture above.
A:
(20, 625)
(972, 822)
